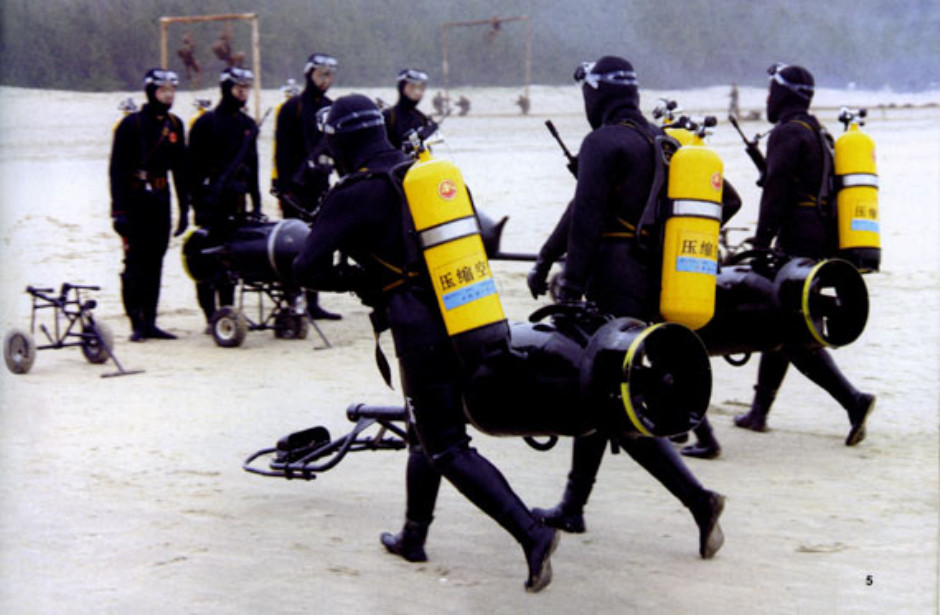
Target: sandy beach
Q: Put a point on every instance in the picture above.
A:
(127, 494)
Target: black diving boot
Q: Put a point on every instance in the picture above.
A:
(138, 331)
(538, 548)
(315, 311)
(485, 486)
(707, 446)
(756, 418)
(858, 415)
(710, 536)
(820, 367)
(154, 332)
(409, 542)
(568, 515)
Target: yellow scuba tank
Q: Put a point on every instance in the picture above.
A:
(201, 105)
(683, 135)
(126, 107)
(450, 240)
(857, 196)
(690, 238)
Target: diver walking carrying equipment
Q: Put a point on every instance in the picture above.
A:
(798, 216)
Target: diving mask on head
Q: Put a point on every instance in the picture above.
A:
(584, 74)
(800, 89)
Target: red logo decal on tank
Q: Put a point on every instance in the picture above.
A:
(716, 181)
(172, 137)
(447, 189)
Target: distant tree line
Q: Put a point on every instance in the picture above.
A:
(108, 44)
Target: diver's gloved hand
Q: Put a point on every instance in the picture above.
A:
(120, 224)
(537, 279)
(346, 277)
(763, 264)
(569, 293)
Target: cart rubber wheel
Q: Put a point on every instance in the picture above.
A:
(19, 351)
(99, 339)
(229, 327)
(289, 326)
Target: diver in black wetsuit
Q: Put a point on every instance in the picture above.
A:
(798, 225)
(303, 165)
(405, 118)
(148, 144)
(606, 264)
(223, 168)
(363, 217)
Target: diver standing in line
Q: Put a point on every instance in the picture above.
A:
(606, 264)
(365, 216)
(301, 161)
(798, 225)
(223, 168)
(405, 118)
(148, 145)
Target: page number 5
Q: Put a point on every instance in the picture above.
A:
(869, 580)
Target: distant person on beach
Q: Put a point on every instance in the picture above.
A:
(303, 165)
(364, 217)
(440, 104)
(148, 145)
(405, 117)
(793, 222)
(223, 167)
(606, 264)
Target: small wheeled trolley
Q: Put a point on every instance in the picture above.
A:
(257, 257)
(278, 309)
(73, 324)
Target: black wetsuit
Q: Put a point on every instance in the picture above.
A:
(404, 118)
(148, 145)
(788, 208)
(792, 220)
(299, 146)
(223, 166)
(362, 217)
(606, 264)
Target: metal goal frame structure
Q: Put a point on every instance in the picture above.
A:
(251, 18)
(494, 23)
